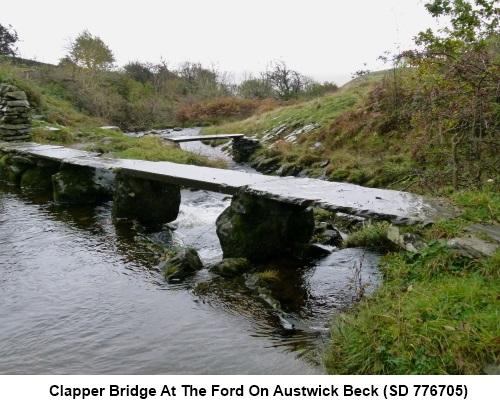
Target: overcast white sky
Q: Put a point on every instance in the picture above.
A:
(324, 39)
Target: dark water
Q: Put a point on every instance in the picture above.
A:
(79, 294)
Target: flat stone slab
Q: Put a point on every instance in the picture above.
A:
(378, 204)
(493, 231)
(179, 139)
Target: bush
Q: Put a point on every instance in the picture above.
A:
(214, 111)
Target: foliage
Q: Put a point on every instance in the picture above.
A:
(268, 275)
(217, 110)
(436, 312)
(90, 52)
(453, 96)
(287, 83)
(479, 206)
(8, 38)
(372, 236)
(255, 88)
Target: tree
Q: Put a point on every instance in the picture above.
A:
(8, 37)
(202, 82)
(456, 88)
(90, 52)
(287, 82)
(140, 72)
(257, 88)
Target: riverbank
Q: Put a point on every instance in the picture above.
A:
(436, 312)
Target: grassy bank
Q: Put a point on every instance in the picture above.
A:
(435, 313)
(343, 136)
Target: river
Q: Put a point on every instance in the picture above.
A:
(80, 294)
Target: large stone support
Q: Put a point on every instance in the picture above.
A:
(257, 228)
(82, 185)
(12, 168)
(27, 171)
(243, 148)
(150, 202)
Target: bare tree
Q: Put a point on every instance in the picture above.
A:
(287, 82)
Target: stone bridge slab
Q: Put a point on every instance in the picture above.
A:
(378, 204)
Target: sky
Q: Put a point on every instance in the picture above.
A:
(327, 40)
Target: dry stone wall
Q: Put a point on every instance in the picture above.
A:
(15, 122)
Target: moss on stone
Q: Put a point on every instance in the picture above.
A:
(38, 178)
(79, 185)
(231, 267)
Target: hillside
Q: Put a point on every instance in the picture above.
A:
(336, 137)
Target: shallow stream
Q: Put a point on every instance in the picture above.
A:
(80, 294)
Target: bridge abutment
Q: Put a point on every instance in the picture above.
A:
(152, 203)
(74, 184)
(257, 228)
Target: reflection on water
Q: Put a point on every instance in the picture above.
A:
(80, 294)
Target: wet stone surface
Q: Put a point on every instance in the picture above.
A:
(377, 204)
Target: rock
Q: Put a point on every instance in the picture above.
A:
(18, 103)
(177, 129)
(310, 251)
(48, 128)
(407, 241)
(473, 247)
(184, 263)
(111, 127)
(491, 369)
(231, 267)
(243, 148)
(81, 185)
(326, 234)
(257, 228)
(491, 230)
(5, 88)
(13, 167)
(15, 95)
(38, 178)
(150, 202)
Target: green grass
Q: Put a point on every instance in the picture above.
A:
(447, 326)
(436, 312)
(372, 236)
(347, 142)
(320, 111)
(146, 148)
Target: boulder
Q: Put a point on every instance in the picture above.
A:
(13, 167)
(257, 228)
(405, 241)
(231, 267)
(182, 264)
(326, 234)
(243, 148)
(111, 127)
(472, 247)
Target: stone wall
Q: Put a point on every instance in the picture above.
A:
(14, 114)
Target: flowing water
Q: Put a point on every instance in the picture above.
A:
(80, 294)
